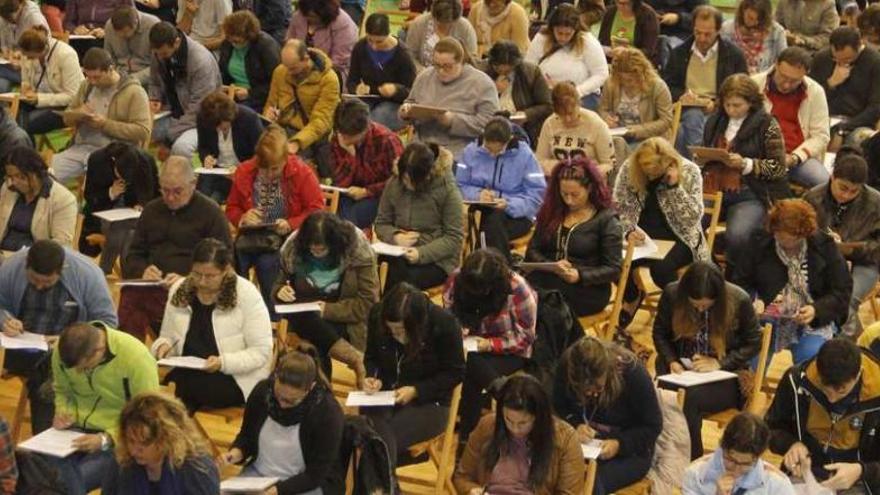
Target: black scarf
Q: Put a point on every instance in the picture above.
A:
(172, 71)
(293, 415)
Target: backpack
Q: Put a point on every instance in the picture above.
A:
(362, 446)
(36, 476)
(557, 328)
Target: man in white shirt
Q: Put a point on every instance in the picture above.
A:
(202, 20)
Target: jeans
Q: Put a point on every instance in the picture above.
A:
(185, 145)
(865, 277)
(118, 236)
(83, 473)
(385, 113)
(690, 132)
(590, 101)
(215, 187)
(39, 120)
(744, 215)
(421, 276)
(620, 472)
(71, 163)
(34, 367)
(809, 173)
(267, 266)
(805, 348)
(8, 78)
(361, 213)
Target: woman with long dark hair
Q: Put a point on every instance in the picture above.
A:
(522, 447)
(705, 324)
(414, 348)
(589, 394)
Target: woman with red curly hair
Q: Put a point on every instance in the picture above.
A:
(799, 279)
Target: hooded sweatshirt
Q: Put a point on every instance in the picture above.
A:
(128, 116)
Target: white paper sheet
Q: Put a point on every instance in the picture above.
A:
(518, 117)
(190, 362)
(388, 249)
(80, 37)
(692, 378)
(139, 283)
(214, 171)
(118, 214)
(470, 344)
(161, 115)
(7, 95)
(363, 399)
(592, 450)
(283, 309)
(27, 340)
(57, 443)
(342, 190)
(247, 485)
(3, 61)
(646, 250)
(618, 131)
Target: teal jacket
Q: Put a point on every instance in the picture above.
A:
(94, 399)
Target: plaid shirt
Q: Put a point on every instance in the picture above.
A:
(8, 470)
(48, 311)
(371, 164)
(512, 330)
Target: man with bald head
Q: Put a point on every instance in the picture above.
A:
(303, 96)
(161, 249)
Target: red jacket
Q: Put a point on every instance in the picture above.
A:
(299, 184)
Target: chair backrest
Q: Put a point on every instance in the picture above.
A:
(331, 201)
(590, 476)
(473, 218)
(13, 102)
(676, 120)
(766, 338)
(447, 453)
(712, 208)
(383, 276)
(617, 305)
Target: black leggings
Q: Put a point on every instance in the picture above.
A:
(421, 276)
(320, 333)
(706, 399)
(662, 271)
(620, 472)
(402, 427)
(201, 390)
(481, 369)
(500, 228)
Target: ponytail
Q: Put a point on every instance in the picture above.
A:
(300, 367)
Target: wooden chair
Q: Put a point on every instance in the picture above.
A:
(521, 244)
(21, 406)
(676, 121)
(712, 208)
(13, 101)
(640, 487)
(441, 458)
(472, 220)
(383, 276)
(331, 201)
(605, 322)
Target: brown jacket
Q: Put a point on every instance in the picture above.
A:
(128, 116)
(566, 475)
(655, 109)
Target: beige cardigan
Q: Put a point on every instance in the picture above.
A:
(54, 217)
(655, 109)
(514, 27)
(63, 75)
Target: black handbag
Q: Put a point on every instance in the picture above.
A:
(258, 242)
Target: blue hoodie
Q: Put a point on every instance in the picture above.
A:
(514, 175)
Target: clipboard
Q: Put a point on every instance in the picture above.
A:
(74, 115)
(424, 112)
(703, 154)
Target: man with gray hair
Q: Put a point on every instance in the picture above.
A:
(161, 248)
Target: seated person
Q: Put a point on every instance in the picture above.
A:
(695, 72)
(202, 20)
(274, 16)
(755, 174)
(293, 428)
(498, 308)
(565, 52)
(676, 19)
(840, 382)
(809, 23)
(323, 25)
(523, 92)
(33, 205)
(573, 132)
(88, 17)
(501, 168)
(158, 436)
(98, 369)
(330, 261)
(248, 56)
(630, 24)
(127, 40)
(659, 195)
(606, 394)
(499, 20)
(753, 30)
(11, 135)
(182, 74)
(162, 245)
(50, 78)
(868, 23)
(467, 94)
(847, 70)
(736, 466)
(110, 107)
(849, 210)
(414, 348)
(218, 316)
(805, 304)
(303, 96)
(381, 67)
(705, 324)
(16, 16)
(421, 210)
(120, 175)
(362, 156)
(522, 447)
(42, 290)
(228, 134)
(577, 228)
(444, 20)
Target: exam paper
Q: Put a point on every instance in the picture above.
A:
(363, 399)
(693, 378)
(118, 214)
(388, 249)
(241, 484)
(56, 443)
(27, 340)
(283, 309)
(592, 450)
(214, 171)
(191, 362)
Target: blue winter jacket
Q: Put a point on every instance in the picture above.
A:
(514, 175)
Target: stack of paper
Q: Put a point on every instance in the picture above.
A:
(363, 399)
(388, 249)
(118, 214)
(693, 378)
(283, 309)
(592, 450)
(214, 171)
(25, 340)
(57, 443)
(247, 485)
(190, 362)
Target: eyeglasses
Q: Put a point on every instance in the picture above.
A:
(742, 464)
(444, 67)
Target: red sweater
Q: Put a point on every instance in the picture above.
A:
(299, 186)
(785, 109)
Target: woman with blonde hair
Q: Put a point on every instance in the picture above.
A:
(161, 451)
(659, 195)
(705, 324)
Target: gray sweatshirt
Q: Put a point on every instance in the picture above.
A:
(132, 56)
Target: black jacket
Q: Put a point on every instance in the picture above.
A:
(434, 372)
(730, 61)
(531, 95)
(857, 98)
(320, 436)
(635, 418)
(594, 248)
(400, 70)
(263, 56)
(743, 335)
(684, 9)
(274, 16)
(829, 280)
(759, 138)
(246, 130)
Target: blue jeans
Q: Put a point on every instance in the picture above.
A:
(215, 187)
(83, 473)
(185, 145)
(809, 173)
(805, 348)
(744, 214)
(8, 78)
(864, 278)
(590, 101)
(361, 213)
(385, 113)
(690, 132)
(267, 266)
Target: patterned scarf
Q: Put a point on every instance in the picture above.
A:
(795, 294)
(752, 44)
(488, 21)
